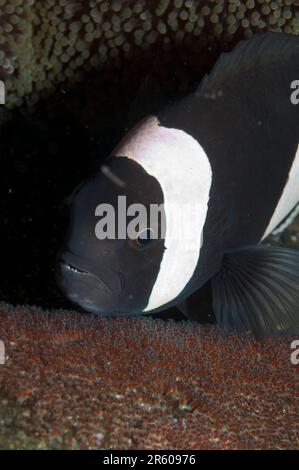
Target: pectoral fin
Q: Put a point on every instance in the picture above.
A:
(257, 290)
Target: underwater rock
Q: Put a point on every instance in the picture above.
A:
(78, 381)
(46, 43)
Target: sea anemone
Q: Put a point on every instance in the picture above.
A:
(74, 381)
(44, 43)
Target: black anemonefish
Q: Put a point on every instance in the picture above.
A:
(230, 151)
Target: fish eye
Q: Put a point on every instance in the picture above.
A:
(144, 238)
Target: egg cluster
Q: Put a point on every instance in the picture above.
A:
(75, 381)
(43, 43)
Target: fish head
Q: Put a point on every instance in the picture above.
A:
(117, 262)
(112, 252)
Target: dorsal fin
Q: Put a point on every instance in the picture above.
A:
(149, 99)
(261, 50)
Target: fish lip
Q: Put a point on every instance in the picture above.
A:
(72, 268)
(69, 263)
(79, 272)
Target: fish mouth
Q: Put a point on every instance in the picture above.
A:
(75, 270)
(108, 280)
(72, 268)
